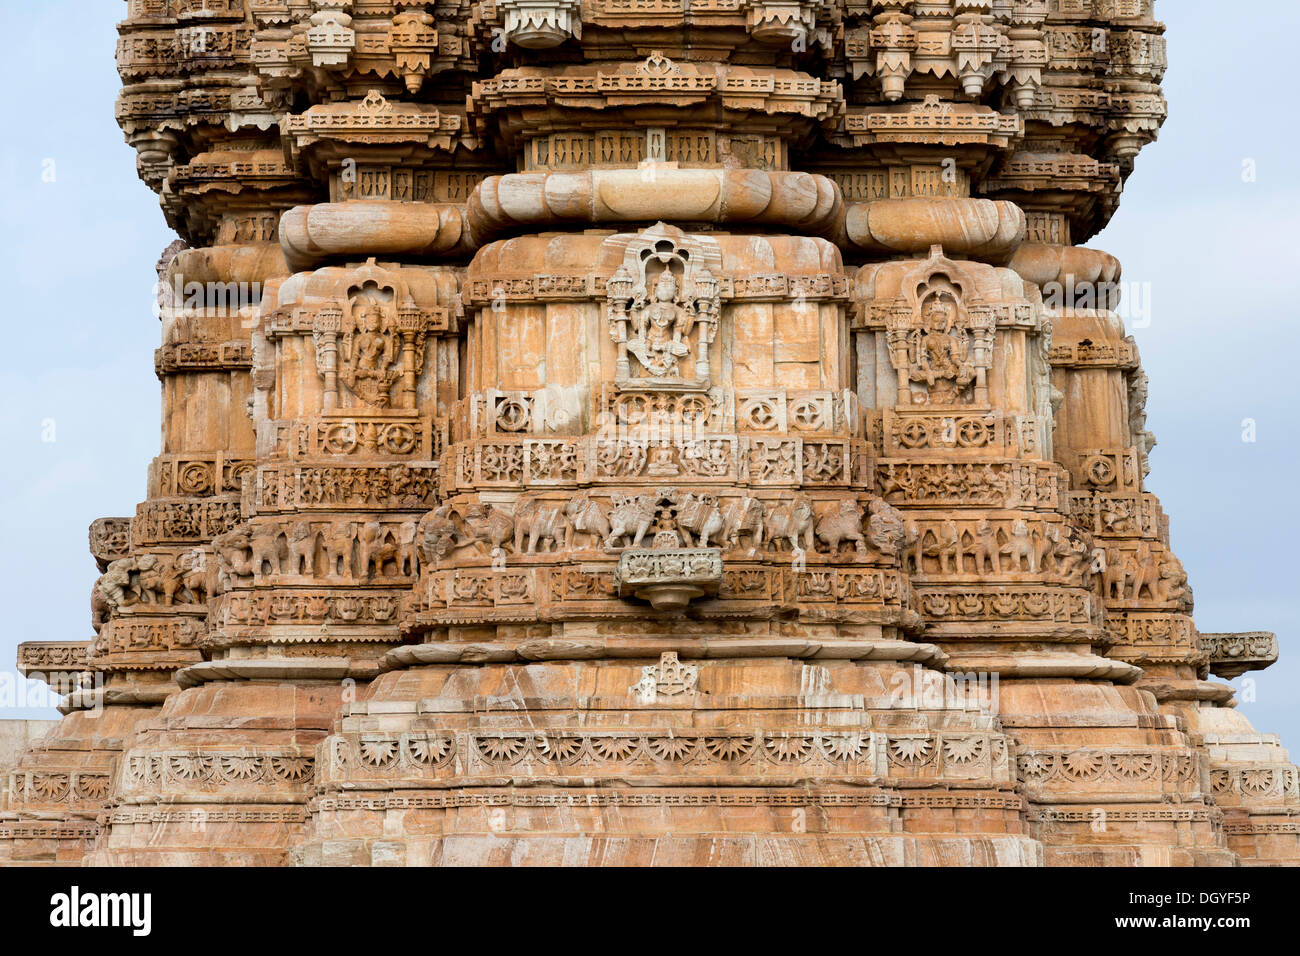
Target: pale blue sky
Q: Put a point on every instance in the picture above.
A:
(1222, 258)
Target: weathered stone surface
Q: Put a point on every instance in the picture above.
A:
(612, 449)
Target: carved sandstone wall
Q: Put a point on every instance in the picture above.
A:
(643, 432)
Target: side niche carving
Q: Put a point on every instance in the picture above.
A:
(940, 337)
(371, 342)
(664, 305)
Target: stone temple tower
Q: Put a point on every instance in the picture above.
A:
(645, 432)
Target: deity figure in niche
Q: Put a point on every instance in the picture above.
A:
(664, 305)
(370, 350)
(661, 329)
(941, 353)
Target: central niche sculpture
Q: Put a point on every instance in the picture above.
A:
(370, 339)
(940, 351)
(663, 309)
(370, 347)
(940, 343)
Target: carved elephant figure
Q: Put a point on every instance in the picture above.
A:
(915, 553)
(99, 607)
(886, 530)
(840, 526)
(151, 579)
(302, 548)
(408, 555)
(266, 550)
(744, 517)
(489, 528)
(437, 535)
(193, 568)
(629, 519)
(586, 517)
(791, 523)
(1145, 573)
(1115, 578)
(1172, 582)
(538, 523)
(1072, 558)
(115, 583)
(951, 553)
(375, 547)
(1047, 547)
(168, 578)
(1020, 549)
(699, 515)
(234, 558)
(987, 553)
(337, 541)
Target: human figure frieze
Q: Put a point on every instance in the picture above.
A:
(1085, 353)
(110, 539)
(963, 484)
(1127, 514)
(307, 486)
(777, 462)
(831, 595)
